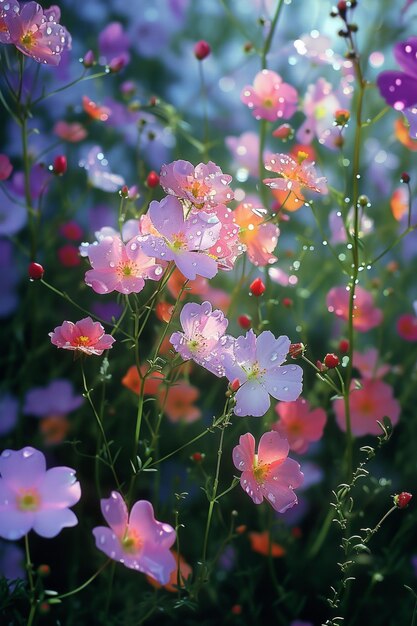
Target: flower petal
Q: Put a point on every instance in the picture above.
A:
(49, 523)
(244, 453)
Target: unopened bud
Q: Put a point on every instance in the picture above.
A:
(331, 361)
(60, 165)
(197, 457)
(35, 271)
(287, 302)
(257, 287)
(341, 117)
(44, 570)
(402, 500)
(89, 59)
(201, 50)
(152, 180)
(344, 346)
(124, 192)
(234, 385)
(284, 132)
(244, 321)
(296, 350)
(405, 178)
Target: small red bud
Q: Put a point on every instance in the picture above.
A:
(152, 180)
(60, 165)
(344, 346)
(331, 361)
(296, 350)
(241, 529)
(235, 384)
(405, 178)
(248, 46)
(44, 608)
(197, 457)
(124, 192)
(201, 50)
(257, 287)
(153, 101)
(35, 271)
(284, 132)
(44, 570)
(287, 302)
(244, 321)
(236, 609)
(89, 59)
(341, 117)
(321, 366)
(402, 500)
(117, 64)
(342, 7)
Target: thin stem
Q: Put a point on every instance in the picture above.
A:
(213, 496)
(205, 111)
(268, 40)
(29, 565)
(84, 585)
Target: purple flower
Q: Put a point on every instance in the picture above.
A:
(32, 497)
(56, 399)
(38, 181)
(256, 363)
(9, 411)
(182, 240)
(113, 44)
(13, 216)
(203, 339)
(136, 540)
(399, 89)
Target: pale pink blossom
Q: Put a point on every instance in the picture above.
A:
(294, 175)
(84, 336)
(268, 474)
(270, 98)
(121, 268)
(365, 314)
(373, 401)
(72, 132)
(367, 364)
(32, 497)
(137, 540)
(300, 424)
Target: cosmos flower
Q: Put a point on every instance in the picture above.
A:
(32, 497)
(85, 336)
(372, 402)
(57, 398)
(204, 185)
(294, 175)
(256, 362)
(121, 268)
(136, 540)
(268, 474)
(300, 424)
(270, 98)
(365, 314)
(259, 237)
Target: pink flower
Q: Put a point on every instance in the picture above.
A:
(260, 238)
(136, 540)
(204, 185)
(299, 424)
(365, 315)
(72, 132)
(270, 98)
(268, 474)
(228, 246)
(84, 336)
(32, 497)
(6, 167)
(367, 364)
(37, 33)
(372, 402)
(407, 326)
(182, 240)
(203, 338)
(294, 175)
(177, 402)
(121, 268)
(256, 362)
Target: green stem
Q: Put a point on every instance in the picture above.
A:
(268, 40)
(29, 566)
(213, 496)
(84, 585)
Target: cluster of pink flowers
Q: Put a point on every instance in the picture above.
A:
(254, 364)
(36, 32)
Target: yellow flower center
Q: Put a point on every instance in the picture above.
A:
(82, 340)
(28, 500)
(27, 40)
(261, 471)
(131, 542)
(301, 156)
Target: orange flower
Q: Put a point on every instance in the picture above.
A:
(402, 134)
(95, 111)
(399, 203)
(133, 381)
(172, 585)
(261, 542)
(179, 403)
(54, 428)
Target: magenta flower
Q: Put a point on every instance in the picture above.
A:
(84, 336)
(367, 364)
(203, 339)
(300, 424)
(268, 474)
(32, 497)
(407, 325)
(37, 33)
(121, 268)
(372, 402)
(136, 540)
(182, 240)
(294, 176)
(256, 363)
(6, 167)
(8, 8)
(204, 185)
(365, 314)
(270, 98)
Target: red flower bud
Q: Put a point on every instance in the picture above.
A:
(197, 457)
(342, 7)
(236, 609)
(341, 117)
(287, 302)
(89, 59)
(257, 287)
(153, 101)
(331, 361)
(201, 50)
(402, 500)
(152, 180)
(60, 165)
(284, 132)
(296, 350)
(344, 346)
(124, 192)
(235, 384)
(35, 271)
(405, 178)
(244, 321)
(44, 570)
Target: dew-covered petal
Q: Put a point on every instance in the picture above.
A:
(22, 468)
(59, 488)
(192, 264)
(143, 521)
(244, 453)
(167, 216)
(272, 447)
(286, 473)
(285, 382)
(107, 542)
(252, 399)
(158, 563)
(115, 512)
(251, 487)
(271, 351)
(280, 498)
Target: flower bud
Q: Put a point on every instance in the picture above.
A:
(197, 457)
(60, 165)
(152, 180)
(248, 46)
(341, 117)
(44, 570)
(284, 132)
(244, 321)
(344, 346)
(35, 271)
(89, 59)
(234, 385)
(402, 500)
(331, 361)
(257, 287)
(117, 64)
(201, 50)
(296, 350)
(405, 178)
(287, 302)
(124, 192)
